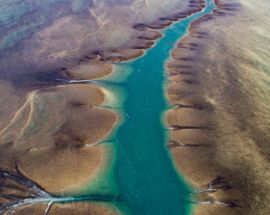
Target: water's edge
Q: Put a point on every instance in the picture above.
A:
(146, 178)
(141, 177)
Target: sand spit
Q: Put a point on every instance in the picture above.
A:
(219, 118)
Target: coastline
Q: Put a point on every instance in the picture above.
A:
(112, 57)
(104, 61)
(131, 135)
(129, 55)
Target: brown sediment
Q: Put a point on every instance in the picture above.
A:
(147, 35)
(54, 137)
(234, 149)
(89, 71)
(69, 209)
(21, 194)
(126, 54)
(150, 35)
(83, 208)
(98, 63)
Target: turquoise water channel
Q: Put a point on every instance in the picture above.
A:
(147, 181)
(142, 179)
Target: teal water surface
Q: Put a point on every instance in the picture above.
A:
(147, 181)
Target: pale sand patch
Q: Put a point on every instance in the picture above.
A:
(91, 70)
(70, 209)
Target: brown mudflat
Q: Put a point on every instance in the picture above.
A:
(52, 135)
(88, 71)
(227, 163)
(70, 209)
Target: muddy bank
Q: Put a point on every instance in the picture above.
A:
(219, 135)
(53, 134)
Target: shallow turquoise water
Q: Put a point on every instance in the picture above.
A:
(147, 181)
(142, 179)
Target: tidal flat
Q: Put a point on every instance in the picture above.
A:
(75, 141)
(220, 84)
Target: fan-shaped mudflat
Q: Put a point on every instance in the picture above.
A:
(224, 60)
